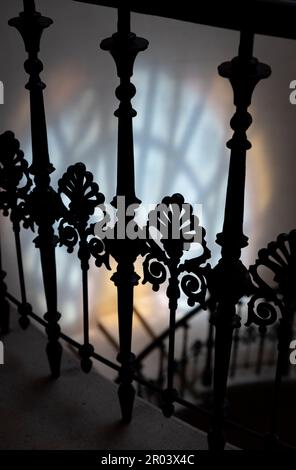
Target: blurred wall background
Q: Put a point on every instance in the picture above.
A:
(184, 109)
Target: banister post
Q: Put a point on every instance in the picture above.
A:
(43, 202)
(124, 47)
(230, 279)
(4, 305)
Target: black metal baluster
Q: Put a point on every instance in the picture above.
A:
(272, 336)
(162, 356)
(184, 360)
(260, 353)
(4, 305)
(87, 349)
(14, 169)
(248, 340)
(25, 308)
(236, 341)
(125, 280)
(196, 349)
(173, 293)
(207, 374)
(230, 280)
(43, 201)
(84, 196)
(284, 339)
(124, 47)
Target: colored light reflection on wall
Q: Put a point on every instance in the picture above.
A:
(179, 146)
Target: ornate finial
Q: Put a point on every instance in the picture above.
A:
(124, 47)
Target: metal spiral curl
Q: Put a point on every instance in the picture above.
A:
(68, 235)
(194, 287)
(263, 312)
(99, 250)
(155, 272)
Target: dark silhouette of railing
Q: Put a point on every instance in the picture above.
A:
(253, 354)
(36, 205)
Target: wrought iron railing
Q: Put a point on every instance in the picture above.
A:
(29, 199)
(253, 355)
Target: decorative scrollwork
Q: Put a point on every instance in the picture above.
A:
(273, 274)
(171, 230)
(78, 185)
(68, 235)
(98, 249)
(263, 312)
(84, 196)
(15, 181)
(194, 287)
(155, 271)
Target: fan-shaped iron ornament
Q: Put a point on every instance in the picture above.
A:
(273, 275)
(274, 300)
(162, 260)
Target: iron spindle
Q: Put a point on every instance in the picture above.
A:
(248, 340)
(124, 20)
(197, 348)
(29, 6)
(260, 352)
(162, 356)
(4, 305)
(87, 349)
(83, 193)
(24, 309)
(43, 202)
(124, 47)
(14, 169)
(230, 279)
(236, 341)
(207, 374)
(173, 293)
(184, 360)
